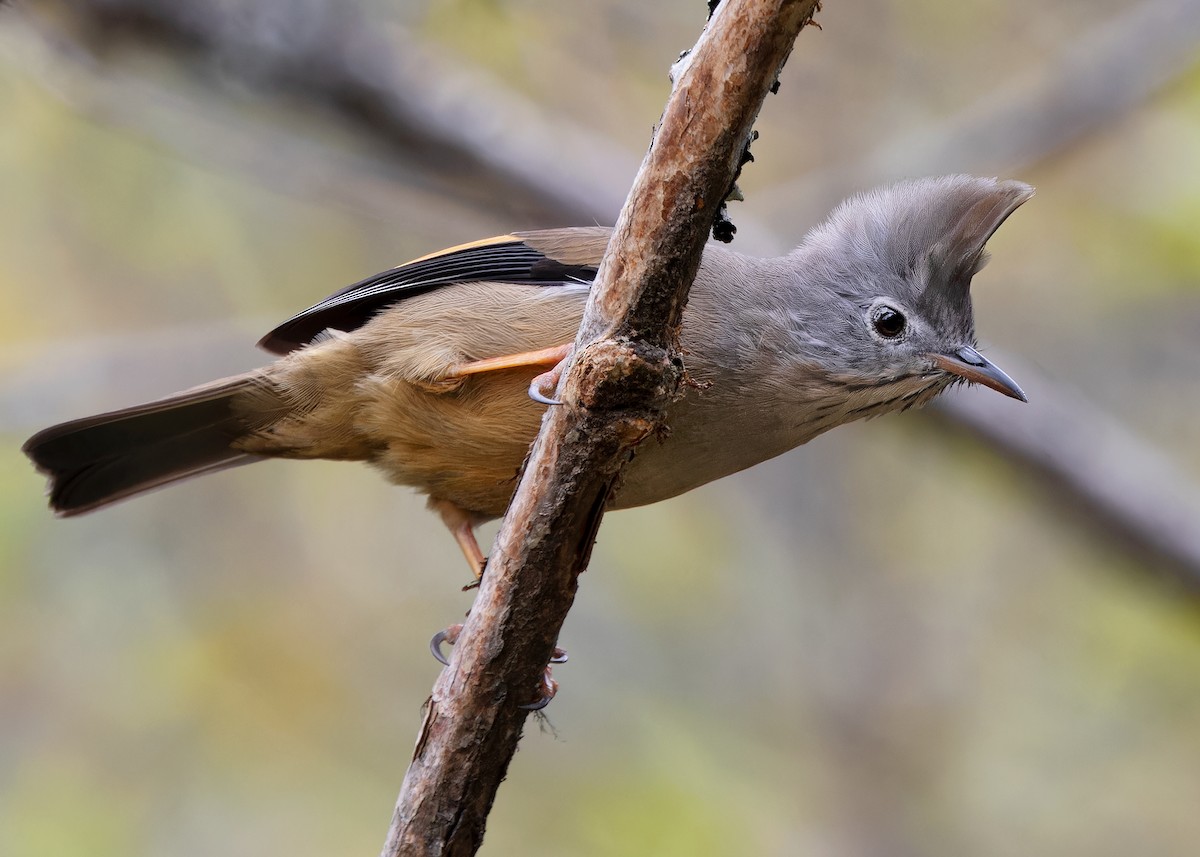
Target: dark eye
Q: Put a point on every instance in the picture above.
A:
(888, 322)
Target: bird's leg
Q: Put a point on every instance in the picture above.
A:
(541, 357)
(552, 357)
(461, 525)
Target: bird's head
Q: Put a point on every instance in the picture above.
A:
(890, 271)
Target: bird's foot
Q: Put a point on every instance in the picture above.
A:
(547, 689)
(543, 386)
(446, 635)
(547, 686)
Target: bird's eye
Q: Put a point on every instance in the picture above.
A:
(888, 323)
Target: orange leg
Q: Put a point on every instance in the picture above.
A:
(553, 357)
(461, 525)
(543, 357)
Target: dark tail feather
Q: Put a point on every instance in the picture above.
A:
(99, 460)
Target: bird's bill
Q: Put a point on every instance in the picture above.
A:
(970, 365)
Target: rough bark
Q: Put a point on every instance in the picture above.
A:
(625, 372)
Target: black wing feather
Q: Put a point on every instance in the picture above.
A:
(503, 260)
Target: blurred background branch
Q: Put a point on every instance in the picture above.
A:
(1096, 77)
(1132, 490)
(481, 143)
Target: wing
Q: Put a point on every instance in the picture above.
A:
(546, 258)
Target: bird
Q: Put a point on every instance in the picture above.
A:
(437, 372)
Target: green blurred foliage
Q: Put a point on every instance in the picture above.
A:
(888, 643)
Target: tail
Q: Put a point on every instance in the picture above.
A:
(99, 460)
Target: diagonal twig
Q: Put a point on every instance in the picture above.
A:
(626, 371)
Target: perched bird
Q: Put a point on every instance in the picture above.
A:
(423, 370)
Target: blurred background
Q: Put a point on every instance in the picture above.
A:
(972, 630)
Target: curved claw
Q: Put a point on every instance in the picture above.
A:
(536, 706)
(446, 635)
(549, 691)
(535, 393)
(559, 656)
(549, 380)
(435, 648)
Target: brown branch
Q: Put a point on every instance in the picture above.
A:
(625, 373)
